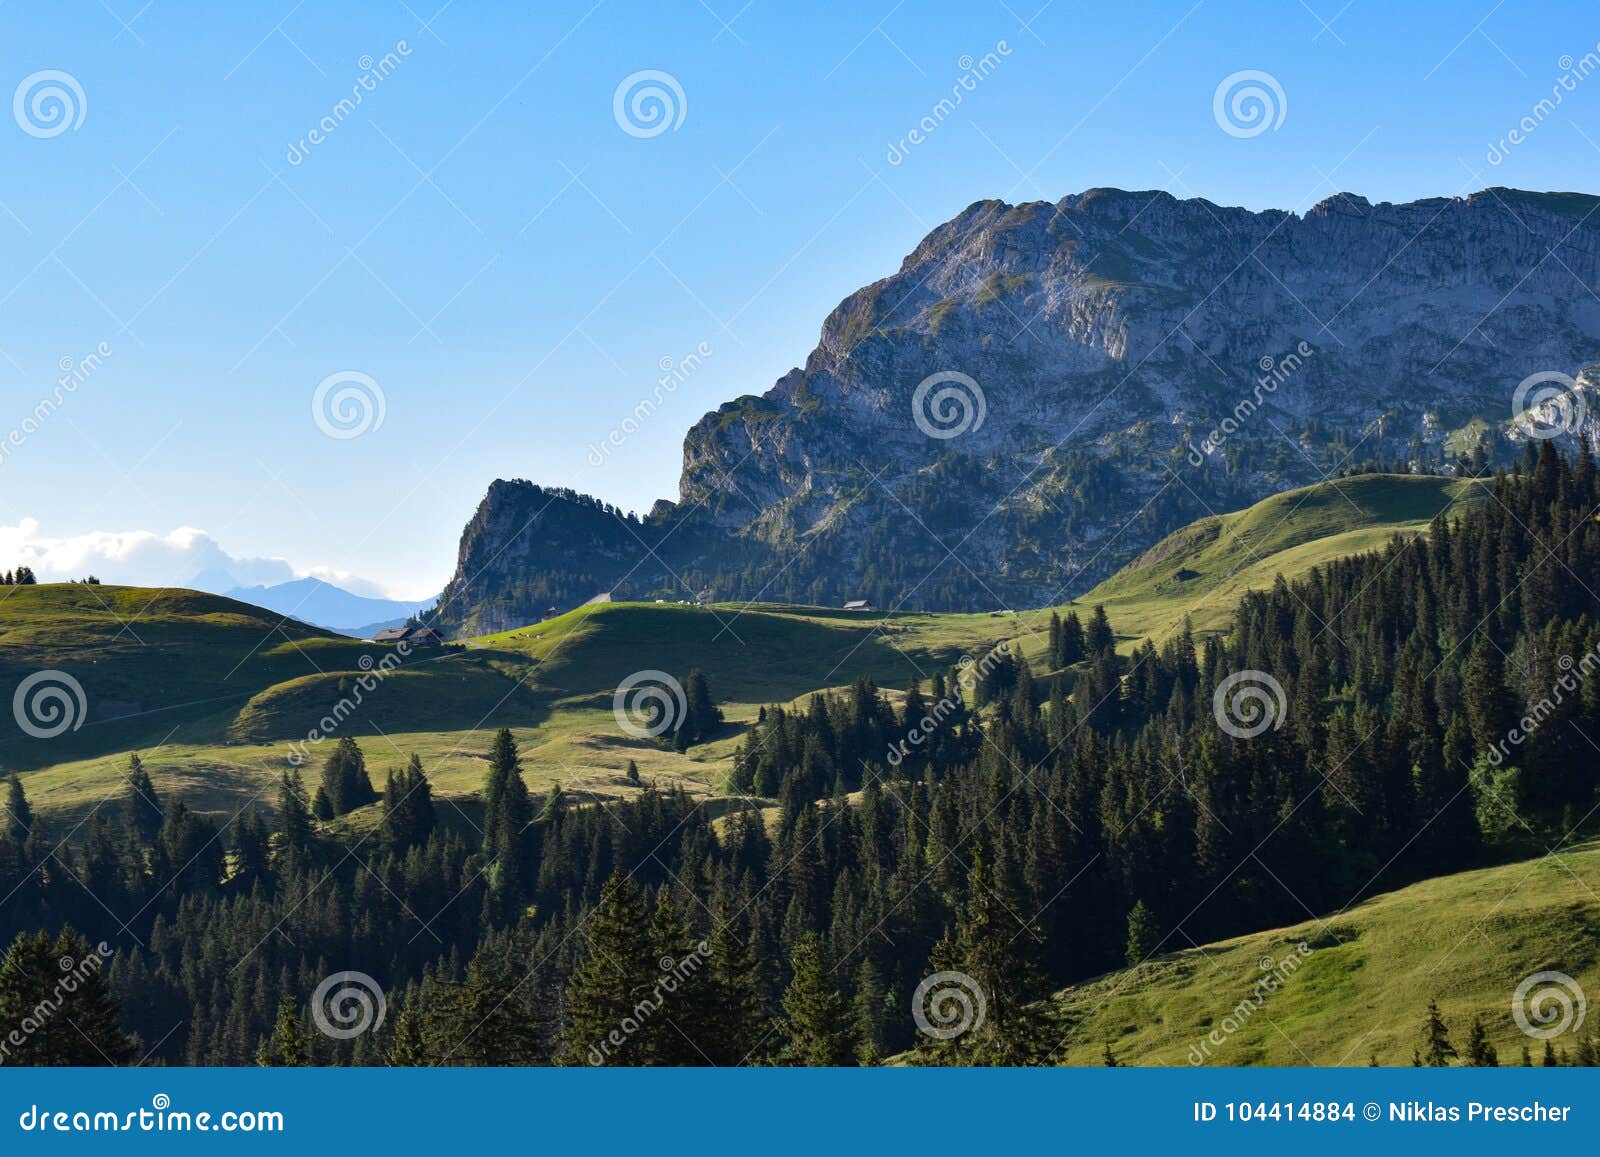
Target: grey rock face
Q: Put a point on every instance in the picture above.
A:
(1116, 364)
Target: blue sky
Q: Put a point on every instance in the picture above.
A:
(482, 240)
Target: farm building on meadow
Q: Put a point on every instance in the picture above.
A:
(426, 636)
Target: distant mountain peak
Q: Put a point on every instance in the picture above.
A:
(321, 603)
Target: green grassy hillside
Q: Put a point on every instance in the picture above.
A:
(763, 653)
(1204, 569)
(213, 691)
(149, 661)
(1361, 986)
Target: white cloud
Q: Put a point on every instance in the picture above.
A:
(186, 557)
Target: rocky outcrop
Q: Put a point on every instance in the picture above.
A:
(1042, 390)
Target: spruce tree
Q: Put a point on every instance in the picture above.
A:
(1099, 637)
(251, 848)
(1074, 645)
(613, 982)
(408, 1047)
(344, 778)
(818, 1027)
(868, 1004)
(1144, 935)
(76, 1026)
(997, 985)
(507, 812)
(1437, 1051)
(1480, 1053)
(288, 1046)
(681, 1031)
(741, 1020)
(1489, 705)
(141, 804)
(701, 715)
(408, 816)
(490, 1018)
(19, 814)
(295, 831)
(554, 804)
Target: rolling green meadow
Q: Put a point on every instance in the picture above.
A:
(212, 692)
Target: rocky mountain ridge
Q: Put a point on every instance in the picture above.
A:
(1044, 389)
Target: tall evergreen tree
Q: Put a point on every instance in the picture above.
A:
(408, 817)
(1074, 645)
(1489, 705)
(818, 1027)
(60, 1023)
(613, 983)
(345, 779)
(1144, 935)
(288, 1046)
(141, 804)
(491, 1017)
(1099, 637)
(296, 833)
(741, 1024)
(680, 1031)
(996, 982)
(507, 812)
(1480, 1053)
(19, 814)
(701, 717)
(1437, 1051)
